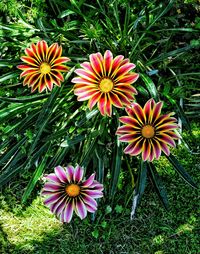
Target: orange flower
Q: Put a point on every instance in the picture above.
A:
(147, 131)
(105, 81)
(43, 66)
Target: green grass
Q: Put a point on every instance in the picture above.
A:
(33, 229)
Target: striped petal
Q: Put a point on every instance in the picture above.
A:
(128, 78)
(124, 129)
(95, 60)
(89, 201)
(52, 199)
(94, 193)
(146, 150)
(81, 209)
(102, 104)
(134, 148)
(67, 213)
(108, 58)
(89, 181)
(52, 177)
(78, 174)
(94, 99)
(69, 173)
(61, 174)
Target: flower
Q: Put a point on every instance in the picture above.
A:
(43, 66)
(67, 192)
(147, 131)
(105, 81)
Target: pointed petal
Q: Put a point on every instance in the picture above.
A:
(78, 174)
(61, 174)
(69, 173)
(81, 209)
(108, 58)
(89, 181)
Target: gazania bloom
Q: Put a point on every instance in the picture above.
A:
(147, 131)
(67, 192)
(43, 66)
(105, 81)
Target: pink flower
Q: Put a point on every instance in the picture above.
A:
(67, 192)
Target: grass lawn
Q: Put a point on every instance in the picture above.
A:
(32, 229)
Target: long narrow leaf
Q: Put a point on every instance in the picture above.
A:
(179, 168)
(159, 187)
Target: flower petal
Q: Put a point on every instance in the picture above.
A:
(94, 193)
(67, 213)
(81, 210)
(89, 181)
(61, 174)
(78, 174)
(69, 173)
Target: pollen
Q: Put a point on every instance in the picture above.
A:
(72, 190)
(45, 68)
(148, 131)
(106, 85)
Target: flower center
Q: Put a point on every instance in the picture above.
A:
(72, 190)
(106, 85)
(148, 131)
(45, 68)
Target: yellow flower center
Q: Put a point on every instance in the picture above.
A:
(106, 85)
(72, 190)
(148, 131)
(45, 68)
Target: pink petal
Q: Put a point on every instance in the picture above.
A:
(81, 210)
(78, 174)
(89, 181)
(69, 173)
(53, 177)
(108, 58)
(61, 174)
(52, 199)
(67, 213)
(94, 193)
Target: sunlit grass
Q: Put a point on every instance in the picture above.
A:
(33, 229)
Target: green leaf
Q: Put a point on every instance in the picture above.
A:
(118, 209)
(159, 187)
(24, 99)
(142, 179)
(70, 142)
(150, 86)
(37, 174)
(179, 168)
(95, 233)
(86, 117)
(65, 13)
(9, 75)
(116, 167)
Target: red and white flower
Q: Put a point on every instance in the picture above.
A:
(147, 131)
(105, 81)
(43, 66)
